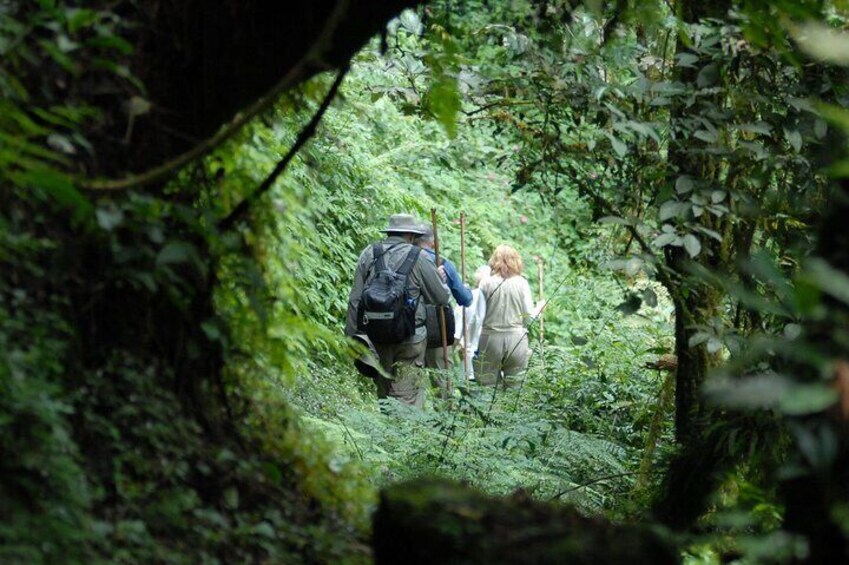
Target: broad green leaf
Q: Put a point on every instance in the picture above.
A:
(443, 101)
(759, 127)
(709, 232)
(620, 148)
(683, 184)
(698, 338)
(706, 136)
(708, 76)
(109, 217)
(792, 331)
(669, 209)
(794, 138)
(686, 59)
(692, 245)
(664, 239)
(820, 128)
(79, 18)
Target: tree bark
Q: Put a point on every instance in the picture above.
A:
(692, 305)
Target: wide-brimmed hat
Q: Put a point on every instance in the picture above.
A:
(403, 223)
(368, 364)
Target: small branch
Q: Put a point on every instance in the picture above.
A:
(309, 130)
(497, 104)
(594, 481)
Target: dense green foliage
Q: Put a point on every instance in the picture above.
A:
(177, 389)
(584, 410)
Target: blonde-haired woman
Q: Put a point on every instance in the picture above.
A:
(504, 351)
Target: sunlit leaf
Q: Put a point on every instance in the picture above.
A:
(692, 245)
(664, 239)
(683, 184)
(620, 148)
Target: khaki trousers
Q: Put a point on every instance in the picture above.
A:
(502, 357)
(405, 362)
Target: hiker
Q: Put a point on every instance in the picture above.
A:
(503, 348)
(386, 307)
(474, 322)
(435, 357)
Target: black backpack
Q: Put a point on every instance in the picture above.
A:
(434, 329)
(387, 313)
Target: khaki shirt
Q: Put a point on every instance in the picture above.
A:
(423, 282)
(509, 305)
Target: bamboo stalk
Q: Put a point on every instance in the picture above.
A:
(441, 310)
(540, 279)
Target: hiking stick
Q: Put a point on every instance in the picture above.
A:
(465, 352)
(540, 278)
(442, 327)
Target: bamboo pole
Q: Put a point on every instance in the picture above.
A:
(540, 279)
(440, 309)
(466, 360)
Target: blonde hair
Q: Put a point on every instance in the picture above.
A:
(506, 261)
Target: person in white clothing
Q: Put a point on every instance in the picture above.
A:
(503, 351)
(474, 322)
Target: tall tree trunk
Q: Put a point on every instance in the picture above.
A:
(692, 306)
(693, 361)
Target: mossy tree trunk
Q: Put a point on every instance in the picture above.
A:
(437, 521)
(693, 305)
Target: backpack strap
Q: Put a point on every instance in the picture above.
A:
(378, 252)
(408, 263)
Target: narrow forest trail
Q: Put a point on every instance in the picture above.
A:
(185, 190)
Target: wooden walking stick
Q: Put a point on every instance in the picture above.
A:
(466, 361)
(441, 309)
(540, 277)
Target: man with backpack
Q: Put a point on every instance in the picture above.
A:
(392, 284)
